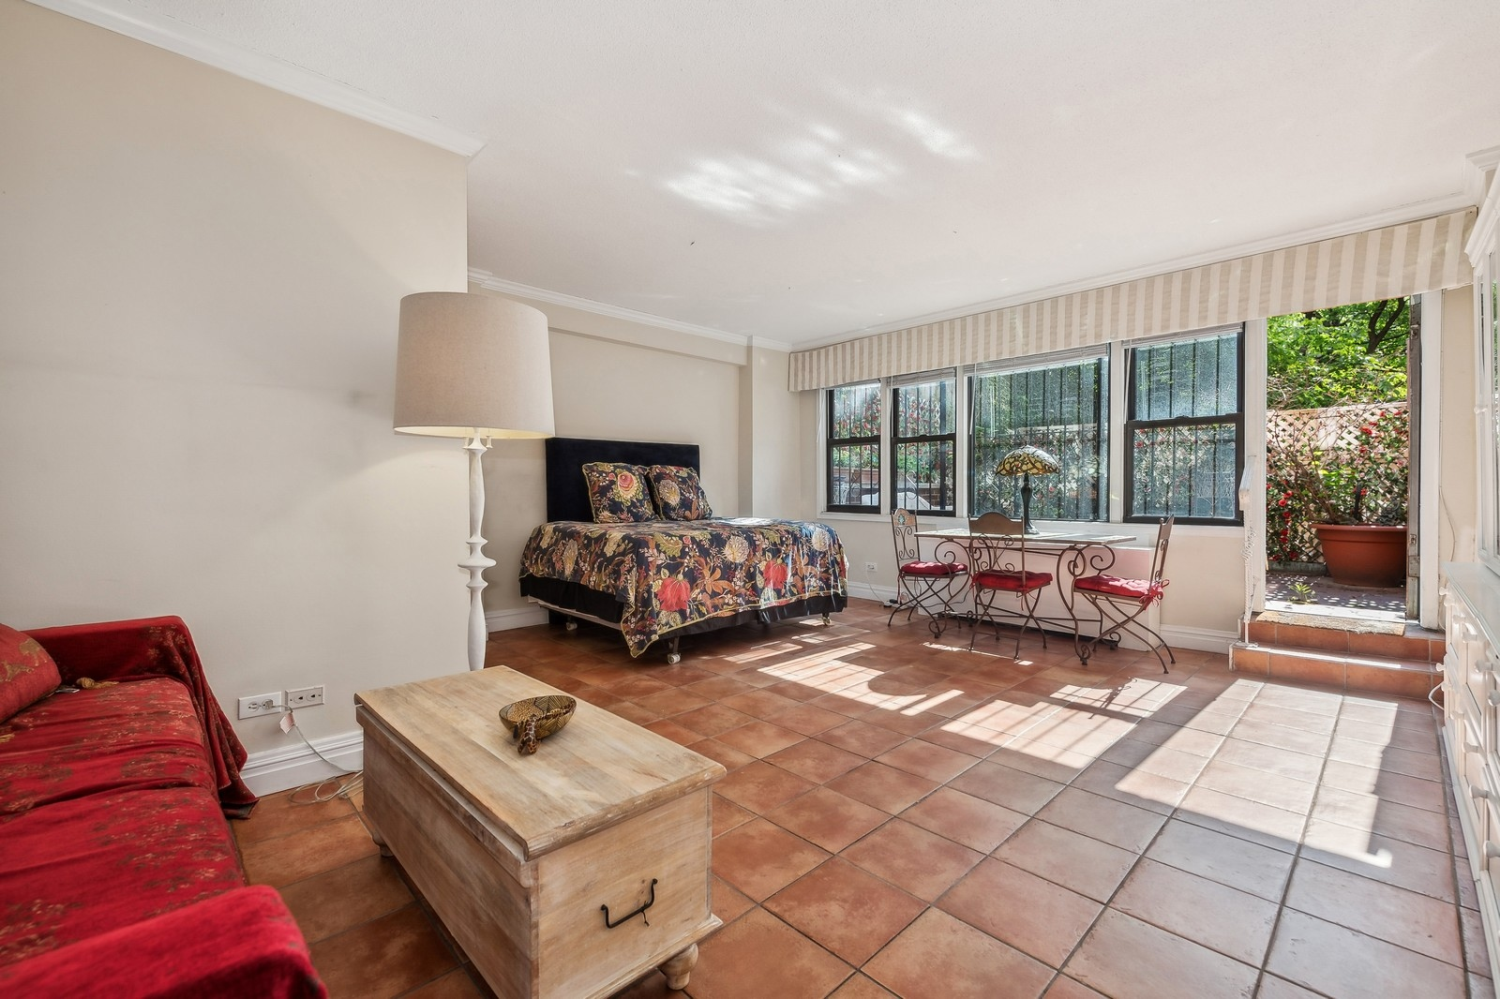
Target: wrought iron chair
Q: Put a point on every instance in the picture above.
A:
(921, 584)
(997, 548)
(1121, 603)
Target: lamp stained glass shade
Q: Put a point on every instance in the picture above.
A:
(1027, 460)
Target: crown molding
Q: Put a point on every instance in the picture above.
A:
(489, 281)
(185, 40)
(1379, 220)
(765, 343)
(1477, 168)
(1482, 237)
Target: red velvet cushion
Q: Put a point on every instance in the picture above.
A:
(27, 673)
(995, 579)
(1115, 586)
(242, 944)
(157, 646)
(79, 868)
(933, 568)
(138, 733)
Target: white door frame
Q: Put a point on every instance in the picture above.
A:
(1428, 500)
(1253, 481)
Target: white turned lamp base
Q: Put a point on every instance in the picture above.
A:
(476, 561)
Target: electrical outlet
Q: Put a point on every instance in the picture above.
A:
(261, 704)
(304, 697)
(869, 567)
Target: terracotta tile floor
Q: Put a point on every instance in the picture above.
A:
(903, 816)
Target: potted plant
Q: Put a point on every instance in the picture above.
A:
(1360, 492)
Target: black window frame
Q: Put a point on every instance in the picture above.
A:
(1103, 360)
(947, 376)
(1132, 425)
(832, 442)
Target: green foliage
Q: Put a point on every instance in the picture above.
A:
(1338, 356)
(1359, 478)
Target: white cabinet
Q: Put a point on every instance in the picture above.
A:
(1471, 728)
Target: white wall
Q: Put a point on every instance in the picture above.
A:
(1458, 482)
(770, 443)
(199, 280)
(616, 380)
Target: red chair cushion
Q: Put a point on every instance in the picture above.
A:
(1018, 582)
(1114, 586)
(933, 568)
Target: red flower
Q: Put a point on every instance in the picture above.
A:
(672, 594)
(774, 573)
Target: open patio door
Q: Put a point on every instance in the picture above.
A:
(1414, 462)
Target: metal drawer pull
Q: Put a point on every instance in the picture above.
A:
(1479, 793)
(1494, 698)
(1491, 850)
(649, 903)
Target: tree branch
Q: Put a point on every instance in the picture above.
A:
(1375, 337)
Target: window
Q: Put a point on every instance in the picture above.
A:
(1185, 429)
(854, 448)
(1062, 409)
(924, 446)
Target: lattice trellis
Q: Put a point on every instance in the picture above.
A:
(1362, 447)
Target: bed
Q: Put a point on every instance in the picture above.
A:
(662, 579)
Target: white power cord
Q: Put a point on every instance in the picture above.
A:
(348, 781)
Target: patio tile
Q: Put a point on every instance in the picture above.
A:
(1221, 918)
(1062, 856)
(1126, 958)
(845, 909)
(963, 818)
(940, 957)
(921, 862)
(1029, 913)
(1346, 964)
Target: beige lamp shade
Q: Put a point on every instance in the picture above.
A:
(469, 364)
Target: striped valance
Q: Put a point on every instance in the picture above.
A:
(1403, 259)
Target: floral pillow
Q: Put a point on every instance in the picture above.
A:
(618, 493)
(679, 494)
(27, 673)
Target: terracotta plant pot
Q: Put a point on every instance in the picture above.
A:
(1364, 555)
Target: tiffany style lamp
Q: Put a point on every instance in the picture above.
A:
(1026, 462)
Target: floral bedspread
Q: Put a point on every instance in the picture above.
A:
(669, 574)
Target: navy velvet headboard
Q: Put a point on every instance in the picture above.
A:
(567, 494)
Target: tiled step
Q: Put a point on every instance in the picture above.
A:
(1385, 640)
(1347, 671)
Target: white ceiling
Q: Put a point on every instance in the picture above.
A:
(804, 170)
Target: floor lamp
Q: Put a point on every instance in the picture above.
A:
(476, 367)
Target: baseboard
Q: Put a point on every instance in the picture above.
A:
(869, 591)
(1203, 639)
(514, 617)
(272, 770)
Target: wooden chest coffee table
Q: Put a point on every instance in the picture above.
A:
(521, 855)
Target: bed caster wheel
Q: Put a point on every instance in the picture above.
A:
(570, 625)
(827, 621)
(673, 658)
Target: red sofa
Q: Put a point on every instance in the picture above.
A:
(119, 876)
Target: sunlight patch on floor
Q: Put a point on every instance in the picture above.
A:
(765, 652)
(826, 671)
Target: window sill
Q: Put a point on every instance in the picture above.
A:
(1145, 532)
